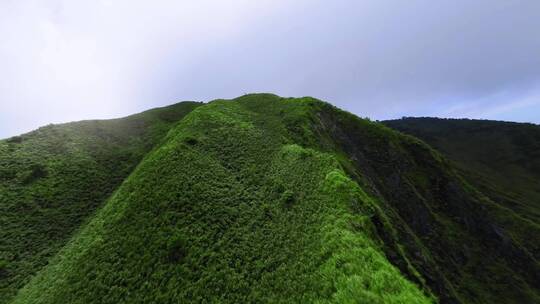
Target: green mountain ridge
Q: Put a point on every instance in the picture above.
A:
(53, 178)
(502, 159)
(263, 199)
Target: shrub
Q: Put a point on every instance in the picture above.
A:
(191, 140)
(36, 171)
(287, 198)
(176, 248)
(3, 267)
(15, 140)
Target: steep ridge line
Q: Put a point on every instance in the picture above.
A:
(229, 210)
(279, 200)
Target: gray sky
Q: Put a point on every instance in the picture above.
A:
(65, 60)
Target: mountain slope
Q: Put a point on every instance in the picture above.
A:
(467, 247)
(52, 179)
(500, 158)
(231, 210)
(280, 200)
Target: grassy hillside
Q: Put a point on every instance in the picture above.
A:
(231, 209)
(467, 247)
(500, 158)
(53, 178)
(263, 199)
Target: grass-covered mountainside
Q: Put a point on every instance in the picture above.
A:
(53, 178)
(263, 199)
(500, 158)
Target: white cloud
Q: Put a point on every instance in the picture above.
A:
(63, 60)
(68, 60)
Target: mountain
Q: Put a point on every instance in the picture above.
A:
(500, 158)
(272, 200)
(53, 179)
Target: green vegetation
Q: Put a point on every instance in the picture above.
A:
(229, 210)
(502, 159)
(52, 179)
(263, 199)
(466, 247)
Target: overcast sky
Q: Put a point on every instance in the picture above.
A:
(65, 60)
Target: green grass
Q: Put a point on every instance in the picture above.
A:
(52, 179)
(263, 199)
(230, 210)
(495, 237)
(500, 158)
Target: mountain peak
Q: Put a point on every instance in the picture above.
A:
(258, 199)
